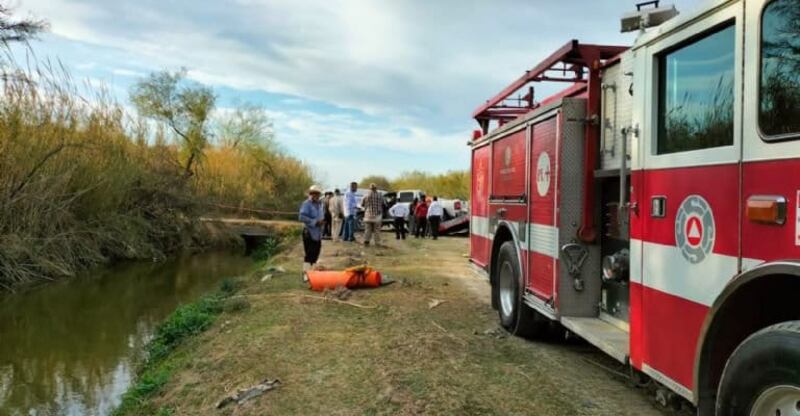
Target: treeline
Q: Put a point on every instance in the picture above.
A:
(453, 184)
(84, 182)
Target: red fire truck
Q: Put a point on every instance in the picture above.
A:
(653, 206)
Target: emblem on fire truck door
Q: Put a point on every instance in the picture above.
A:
(543, 174)
(507, 157)
(694, 229)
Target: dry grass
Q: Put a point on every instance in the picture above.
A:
(400, 358)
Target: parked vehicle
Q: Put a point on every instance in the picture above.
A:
(452, 207)
(653, 207)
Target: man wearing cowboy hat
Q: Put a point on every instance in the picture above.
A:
(312, 215)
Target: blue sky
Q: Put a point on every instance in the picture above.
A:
(355, 87)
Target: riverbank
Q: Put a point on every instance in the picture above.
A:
(427, 344)
(191, 319)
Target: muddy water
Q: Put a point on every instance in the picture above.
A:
(69, 348)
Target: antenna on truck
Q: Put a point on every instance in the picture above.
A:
(644, 18)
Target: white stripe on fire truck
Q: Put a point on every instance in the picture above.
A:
(664, 268)
(543, 239)
(635, 253)
(480, 226)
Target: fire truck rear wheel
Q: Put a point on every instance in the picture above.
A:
(762, 377)
(515, 316)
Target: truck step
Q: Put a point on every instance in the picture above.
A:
(608, 338)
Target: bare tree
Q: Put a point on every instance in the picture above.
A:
(12, 30)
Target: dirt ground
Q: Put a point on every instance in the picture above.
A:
(388, 351)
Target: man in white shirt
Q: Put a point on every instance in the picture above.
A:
(435, 212)
(399, 212)
(350, 210)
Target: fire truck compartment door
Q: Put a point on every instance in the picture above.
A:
(543, 230)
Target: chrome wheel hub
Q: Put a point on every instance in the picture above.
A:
(777, 401)
(507, 289)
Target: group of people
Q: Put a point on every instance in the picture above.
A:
(423, 218)
(340, 212)
(334, 216)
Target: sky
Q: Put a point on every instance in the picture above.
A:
(354, 87)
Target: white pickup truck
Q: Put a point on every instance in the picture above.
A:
(453, 208)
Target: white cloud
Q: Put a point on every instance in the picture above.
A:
(417, 68)
(440, 59)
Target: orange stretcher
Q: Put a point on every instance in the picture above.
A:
(352, 278)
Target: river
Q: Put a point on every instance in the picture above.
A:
(70, 347)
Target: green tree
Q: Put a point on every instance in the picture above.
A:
(248, 126)
(382, 182)
(184, 107)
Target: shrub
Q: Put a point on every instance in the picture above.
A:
(186, 321)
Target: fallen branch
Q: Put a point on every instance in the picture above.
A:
(446, 332)
(522, 373)
(243, 395)
(297, 295)
(439, 326)
(344, 302)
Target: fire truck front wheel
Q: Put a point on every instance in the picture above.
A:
(762, 377)
(515, 316)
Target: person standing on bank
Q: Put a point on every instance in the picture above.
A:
(373, 215)
(326, 229)
(336, 209)
(312, 215)
(399, 212)
(421, 214)
(435, 212)
(412, 218)
(350, 212)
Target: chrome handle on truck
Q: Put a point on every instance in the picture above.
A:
(574, 255)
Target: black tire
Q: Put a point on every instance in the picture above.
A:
(765, 360)
(515, 316)
(359, 223)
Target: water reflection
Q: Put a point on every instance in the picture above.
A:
(68, 348)
(696, 94)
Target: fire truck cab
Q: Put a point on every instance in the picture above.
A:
(653, 206)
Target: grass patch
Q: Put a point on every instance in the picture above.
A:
(267, 249)
(186, 321)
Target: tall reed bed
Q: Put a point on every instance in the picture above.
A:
(82, 182)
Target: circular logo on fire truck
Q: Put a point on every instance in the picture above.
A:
(543, 174)
(694, 229)
(507, 156)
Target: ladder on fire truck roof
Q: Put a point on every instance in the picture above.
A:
(574, 63)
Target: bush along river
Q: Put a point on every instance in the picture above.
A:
(71, 347)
